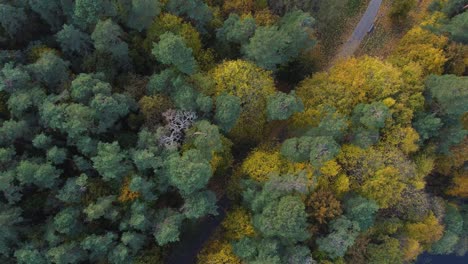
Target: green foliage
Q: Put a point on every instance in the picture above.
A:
(28, 255)
(87, 12)
(200, 204)
(196, 10)
(236, 30)
(271, 46)
(190, 172)
(427, 126)
(99, 246)
(48, 10)
(297, 149)
(67, 221)
(172, 50)
(323, 149)
(101, 208)
(107, 38)
(56, 155)
(342, 236)
(457, 28)
(110, 161)
(361, 210)
(43, 175)
(168, 226)
(13, 78)
(449, 93)
(12, 19)
(285, 219)
(51, 70)
(228, 109)
(66, 253)
(73, 41)
(142, 14)
(281, 106)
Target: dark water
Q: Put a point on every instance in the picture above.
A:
(442, 259)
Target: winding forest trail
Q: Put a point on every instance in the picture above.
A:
(363, 27)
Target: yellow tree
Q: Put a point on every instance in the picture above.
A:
(252, 85)
(384, 187)
(348, 83)
(423, 47)
(217, 252)
(170, 23)
(426, 232)
(238, 224)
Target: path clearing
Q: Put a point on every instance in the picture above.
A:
(363, 27)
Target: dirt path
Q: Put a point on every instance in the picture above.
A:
(363, 27)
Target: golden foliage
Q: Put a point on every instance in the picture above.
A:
(411, 250)
(261, 163)
(238, 224)
(252, 85)
(265, 17)
(422, 47)
(322, 206)
(348, 83)
(152, 108)
(126, 194)
(238, 6)
(384, 187)
(170, 23)
(426, 232)
(405, 138)
(217, 252)
(459, 185)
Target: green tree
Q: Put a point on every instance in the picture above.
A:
(99, 246)
(457, 28)
(72, 41)
(196, 10)
(271, 46)
(323, 149)
(285, 219)
(342, 236)
(12, 19)
(103, 207)
(142, 14)
(10, 217)
(110, 161)
(236, 30)
(48, 10)
(200, 204)
(387, 252)
(43, 175)
(56, 155)
(297, 149)
(228, 109)
(281, 106)
(67, 221)
(87, 12)
(107, 37)
(51, 70)
(14, 78)
(168, 226)
(171, 49)
(190, 172)
(66, 253)
(28, 254)
(361, 210)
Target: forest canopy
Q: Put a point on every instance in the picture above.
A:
(127, 125)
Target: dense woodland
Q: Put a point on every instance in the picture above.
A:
(123, 122)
